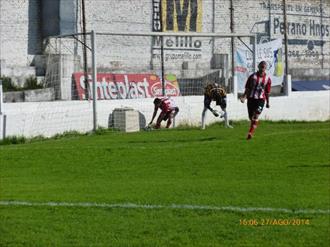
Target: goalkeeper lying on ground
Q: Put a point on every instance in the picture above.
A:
(214, 92)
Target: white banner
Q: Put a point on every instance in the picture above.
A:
(271, 52)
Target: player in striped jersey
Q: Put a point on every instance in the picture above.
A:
(168, 111)
(257, 90)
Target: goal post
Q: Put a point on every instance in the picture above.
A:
(161, 35)
(182, 41)
(253, 39)
(123, 65)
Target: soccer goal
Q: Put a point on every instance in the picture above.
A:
(121, 73)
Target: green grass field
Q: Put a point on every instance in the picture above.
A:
(211, 187)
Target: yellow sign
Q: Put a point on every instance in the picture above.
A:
(182, 15)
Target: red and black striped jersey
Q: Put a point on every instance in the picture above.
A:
(258, 86)
(167, 104)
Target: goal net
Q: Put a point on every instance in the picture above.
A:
(133, 69)
(64, 57)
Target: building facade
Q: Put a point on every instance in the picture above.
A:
(26, 24)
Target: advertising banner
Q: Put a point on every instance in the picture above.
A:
(271, 52)
(177, 16)
(126, 86)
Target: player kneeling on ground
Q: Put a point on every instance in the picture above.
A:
(168, 111)
(214, 92)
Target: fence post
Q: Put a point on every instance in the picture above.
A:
(287, 85)
(1, 98)
(255, 57)
(2, 115)
(235, 90)
(94, 74)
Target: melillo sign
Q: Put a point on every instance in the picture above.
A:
(126, 86)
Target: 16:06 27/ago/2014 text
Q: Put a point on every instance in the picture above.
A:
(274, 222)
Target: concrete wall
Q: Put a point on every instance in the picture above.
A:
(20, 38)
(309, 27)
(50, 118)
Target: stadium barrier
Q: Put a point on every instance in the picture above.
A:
(32, 118)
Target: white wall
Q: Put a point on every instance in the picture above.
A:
(19, 32)
(50, 118)
(308, 21)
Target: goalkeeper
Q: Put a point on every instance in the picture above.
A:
(168, 111)
(213, 92)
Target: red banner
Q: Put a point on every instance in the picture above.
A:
(126, 86)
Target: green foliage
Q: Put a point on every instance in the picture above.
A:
(7, 84)
(101, 130)
(32, 83)
(13, 140)
(21, 140)
(68, 134)
(285, 165)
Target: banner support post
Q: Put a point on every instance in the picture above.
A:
(94, 74)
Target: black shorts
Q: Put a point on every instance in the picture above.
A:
(221, 101)
(255, 106)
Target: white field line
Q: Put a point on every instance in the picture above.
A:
(173, 206)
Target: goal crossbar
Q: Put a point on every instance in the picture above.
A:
(219, 35)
